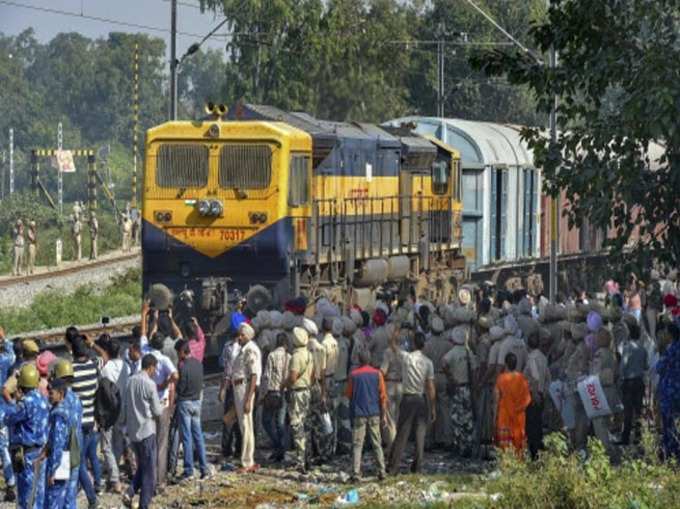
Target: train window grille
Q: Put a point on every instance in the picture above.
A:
(245, 166)
(440, 177)
(182, 165)
(298, 182)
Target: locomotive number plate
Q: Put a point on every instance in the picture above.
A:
(223, 234)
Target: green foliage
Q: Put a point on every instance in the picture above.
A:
(560, 480)
(28, 207)
(617, 89)
(88, 86)
(85, 305)
(367, 60)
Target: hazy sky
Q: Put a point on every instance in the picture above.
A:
(152, 13)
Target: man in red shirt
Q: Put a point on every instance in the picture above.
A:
(368, 409)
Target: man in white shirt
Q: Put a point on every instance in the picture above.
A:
(245, 376)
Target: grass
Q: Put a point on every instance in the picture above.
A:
(85, 305)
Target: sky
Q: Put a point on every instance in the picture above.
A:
(154, 14)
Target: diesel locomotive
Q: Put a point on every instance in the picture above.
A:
(264, 204)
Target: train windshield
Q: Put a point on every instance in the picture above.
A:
(245, 166)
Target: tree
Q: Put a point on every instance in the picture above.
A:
(617, 87)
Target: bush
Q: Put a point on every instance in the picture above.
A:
(560, 480)
(84, 306)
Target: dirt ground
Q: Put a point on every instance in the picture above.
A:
(278, 486)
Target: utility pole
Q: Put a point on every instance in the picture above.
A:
(441, 93)
(554, 202)
(60, 180)
(2, 183)
(11, 160)
(135, 126)
(173, 59)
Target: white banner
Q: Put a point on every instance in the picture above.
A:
(65, 161)
(593, 397)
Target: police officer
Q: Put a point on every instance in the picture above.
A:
(459, 365)
(94, 234)
(27, 420)
(19, 242)
(58, 444)
(32, 238)
(299, 380)
(63, 370)
(76, 233)
(435, 349)
(321, 441)
(7, 360)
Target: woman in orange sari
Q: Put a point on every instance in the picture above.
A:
(513, 397)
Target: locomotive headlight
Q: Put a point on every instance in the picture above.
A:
(216, 208)
(204, 207)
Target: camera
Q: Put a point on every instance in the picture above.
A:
(106, 320)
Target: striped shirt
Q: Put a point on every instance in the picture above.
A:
(85, 385)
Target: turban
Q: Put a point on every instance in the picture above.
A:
(247, 331)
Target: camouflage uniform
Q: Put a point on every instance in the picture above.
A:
(391, 368)
(321, 442)
(577, 367)
(331, 347)
(299, 398)
(460, 364)
(435, 349)
(343, 422)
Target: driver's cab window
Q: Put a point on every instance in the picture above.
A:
(440, 177)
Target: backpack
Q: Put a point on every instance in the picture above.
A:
(107, 403)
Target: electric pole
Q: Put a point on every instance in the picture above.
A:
(135, 126)
(11, 160)
(440, 35)
(554, 202)
(60, 181)
(173, 59)
(2, 183)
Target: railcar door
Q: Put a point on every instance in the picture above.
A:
(406, 207)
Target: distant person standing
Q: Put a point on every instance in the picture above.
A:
(417, 382)
(94, 234)
(19, 243)
(77, 236)
(32, 238)
(126, 230)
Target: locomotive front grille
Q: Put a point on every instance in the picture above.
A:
(245, 166)
(182, 165)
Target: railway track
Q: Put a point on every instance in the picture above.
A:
(6, 282)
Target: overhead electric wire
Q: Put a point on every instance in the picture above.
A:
(110, 21)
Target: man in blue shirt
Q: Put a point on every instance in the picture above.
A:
(58, 444)
(27, 420)
(7, 360)
(74, 408)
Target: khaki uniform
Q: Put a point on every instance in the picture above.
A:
(127, 233)
(343, 422)
(604, 366)
(513, 344)
(435, 349)
(460, 365)
(392, 367)
(577, 367)
(32, 248)
(302, 363)
(76, 233)
(322, 443)
(94, 235)
(19, 243)
(247, 363)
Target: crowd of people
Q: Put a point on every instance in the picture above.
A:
(312, 381)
